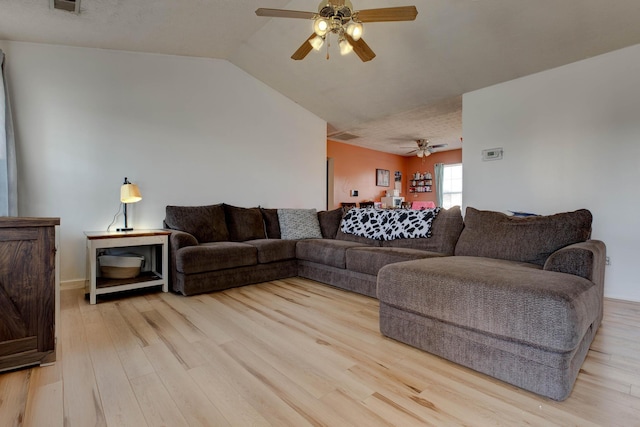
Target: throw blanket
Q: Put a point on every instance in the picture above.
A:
(383, 224)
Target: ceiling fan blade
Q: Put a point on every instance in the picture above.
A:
(361, 49)
(438, 145)
(282, 13)
(304, 49)
(388, 14)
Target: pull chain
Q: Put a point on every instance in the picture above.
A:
(328, 44)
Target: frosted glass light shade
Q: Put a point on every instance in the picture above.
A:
(317, 42)
(345, 47)
(354, 29)
(321, 26)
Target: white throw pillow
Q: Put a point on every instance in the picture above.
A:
(299, 224)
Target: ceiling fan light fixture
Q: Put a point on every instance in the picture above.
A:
(420, 153)
(317, 42)
(354, 29)
(321, 26)
(345, 47)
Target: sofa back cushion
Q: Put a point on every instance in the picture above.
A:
(271, 223)
(525, 239)
(205, 223)
(445, 231)
(244, 223)
(330, 222)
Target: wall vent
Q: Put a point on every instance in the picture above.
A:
(68, 5)
(344, 136)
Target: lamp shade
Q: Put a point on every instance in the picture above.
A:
(130, 193)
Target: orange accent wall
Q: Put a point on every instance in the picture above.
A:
(354, 168)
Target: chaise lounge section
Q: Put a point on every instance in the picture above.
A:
(521, 300)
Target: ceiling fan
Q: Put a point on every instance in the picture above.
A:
(338, 17)
(425, 148)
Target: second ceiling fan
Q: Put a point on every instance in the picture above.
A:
(338, 17)
(425, 148)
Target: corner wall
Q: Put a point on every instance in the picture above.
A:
(571, 139)
(188, 131)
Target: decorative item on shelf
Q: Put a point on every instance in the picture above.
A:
(129, 193)
(421, 183)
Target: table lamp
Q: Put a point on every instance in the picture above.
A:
(129, 193)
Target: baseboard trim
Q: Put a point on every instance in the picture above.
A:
(72, 284)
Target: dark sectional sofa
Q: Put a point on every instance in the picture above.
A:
(519, 299)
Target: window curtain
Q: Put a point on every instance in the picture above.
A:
(438, 170)
(8, 173)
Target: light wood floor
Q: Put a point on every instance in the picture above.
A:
(290, 353)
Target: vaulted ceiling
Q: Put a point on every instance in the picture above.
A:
(411, 90)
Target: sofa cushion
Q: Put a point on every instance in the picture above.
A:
(445, 231)
(325, 251)
(215, 256)
(271, 250)
(527, 239)
(369, 260)
(330, 222)
(244, 223)
(299, 224)
(205, 223)
(506, 299)
(271, 223)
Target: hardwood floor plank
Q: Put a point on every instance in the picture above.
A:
(312, 409)
(290, 352)
(45, 405)
(354, 411)
(82, 404)
(255, 392)
(173, 340)
(118, 400)
(158, 407)
(204, 323)
(193, 404)
(283, 348)
(136, 322)
(220, 389)
(14, 388)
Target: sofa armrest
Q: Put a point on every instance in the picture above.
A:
(181, 239)
(585, 259)
(177, 240)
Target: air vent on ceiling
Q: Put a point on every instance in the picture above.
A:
(68, 5)
(344, 136)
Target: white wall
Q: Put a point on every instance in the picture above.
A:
(188, 131)
(571, 139)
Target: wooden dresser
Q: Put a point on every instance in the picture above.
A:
(28, 294)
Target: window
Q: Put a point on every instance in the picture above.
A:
(452, 186)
